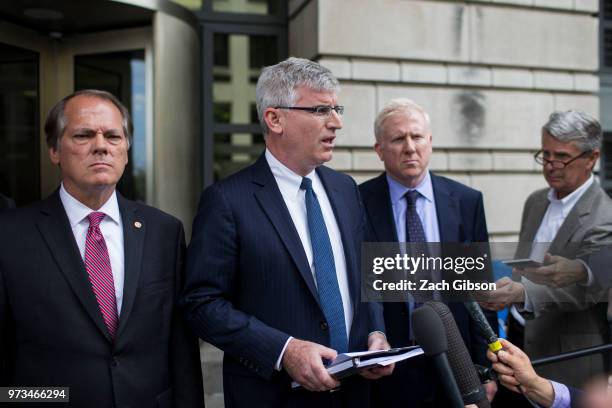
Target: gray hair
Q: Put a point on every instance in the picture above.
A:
(394, 106)
(278, 83)
(55, 125)
(575, 126)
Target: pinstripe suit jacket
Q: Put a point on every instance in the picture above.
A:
(250, 287)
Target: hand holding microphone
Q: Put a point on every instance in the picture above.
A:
(481, 321)
(515, 372)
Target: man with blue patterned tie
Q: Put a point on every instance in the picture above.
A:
(407, 203)
(273, 265)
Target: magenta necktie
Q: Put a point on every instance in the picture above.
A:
(98, 266)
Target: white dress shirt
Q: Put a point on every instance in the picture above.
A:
(555, 216)
(111, 228)
(295, 199)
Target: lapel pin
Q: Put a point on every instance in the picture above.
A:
(138, 224)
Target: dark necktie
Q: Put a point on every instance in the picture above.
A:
(98, 266)
(415, 233)
(325, 271)
(414, 227)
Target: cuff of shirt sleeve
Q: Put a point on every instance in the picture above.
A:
(590, 278)
(377, 331)
(278, 365)
(562, 395)
(527, 306)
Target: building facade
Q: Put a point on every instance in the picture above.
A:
(488, 72)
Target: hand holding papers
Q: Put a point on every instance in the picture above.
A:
(348, 364)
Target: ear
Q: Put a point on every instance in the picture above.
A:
(593, 159)
(378, 149)
(54, 156)
(273, 120)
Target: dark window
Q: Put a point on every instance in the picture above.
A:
(221, 45)
(607, 48)
(239, 38)
(19, 125)
(605, 37)
(263, 51)
(605, 169)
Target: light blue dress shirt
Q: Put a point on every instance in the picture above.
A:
(425, 207)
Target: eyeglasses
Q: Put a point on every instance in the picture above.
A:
(321, 110)
(556, 164)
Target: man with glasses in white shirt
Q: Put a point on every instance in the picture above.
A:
(571, 219)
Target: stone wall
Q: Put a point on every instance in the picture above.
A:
(488, 72)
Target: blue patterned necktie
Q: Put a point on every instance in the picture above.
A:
(325, 271)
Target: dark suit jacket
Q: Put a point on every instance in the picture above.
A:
(6, 203)
(250, 287)
(461, 219)
(52, 326)
(575, 396)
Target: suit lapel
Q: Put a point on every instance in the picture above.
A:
(380, 211)
(273, 205)
(447, 211)
(573, 221)
(534, 218)
(54, 227)
(133, 243)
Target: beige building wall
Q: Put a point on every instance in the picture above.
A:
(488, 72)
(176, 149)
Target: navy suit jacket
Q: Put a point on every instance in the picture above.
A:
(461, 219)
(51, 329)
(249, 284)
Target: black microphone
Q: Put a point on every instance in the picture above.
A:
(429, 332)
(459, 358)
(483, 324)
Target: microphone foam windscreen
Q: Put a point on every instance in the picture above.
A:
(481, 321)
(459, 357)
(429, 331)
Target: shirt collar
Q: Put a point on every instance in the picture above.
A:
(288, 181)
(397, 190)
(570, 200)
(77, 211)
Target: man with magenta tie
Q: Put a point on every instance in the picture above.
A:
(88, 279)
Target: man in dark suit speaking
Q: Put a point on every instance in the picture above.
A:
(273, 266)
(407, 203)
(88, 279)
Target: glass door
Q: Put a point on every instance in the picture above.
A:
(19, 112)
(37, 71)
